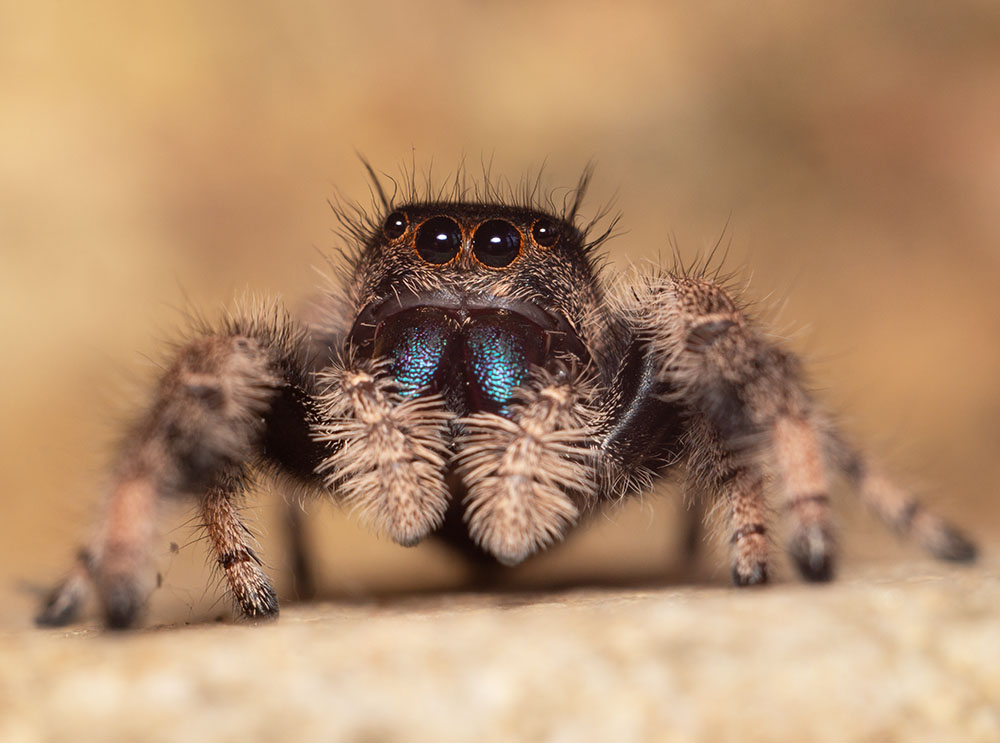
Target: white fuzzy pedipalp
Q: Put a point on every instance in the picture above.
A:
(394, 449)
(529, 475)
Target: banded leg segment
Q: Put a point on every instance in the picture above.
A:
(738, 487)
(802, 477)
(744, 494)
(900, 509)
(233, 545)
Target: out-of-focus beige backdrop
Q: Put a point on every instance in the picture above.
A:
(155, 156)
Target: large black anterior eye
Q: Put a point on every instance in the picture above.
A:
(496, 243)
(545, 232)
(439, 240)
(395, 225)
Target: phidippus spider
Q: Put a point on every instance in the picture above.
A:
(476, 376)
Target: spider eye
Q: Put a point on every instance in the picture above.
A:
(395, 225)
(545, 232)
(438, 240)
(496, 243)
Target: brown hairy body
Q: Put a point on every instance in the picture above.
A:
(473, 361)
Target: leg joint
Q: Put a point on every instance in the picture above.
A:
(749, 530)
(804, 499)
(237, 556)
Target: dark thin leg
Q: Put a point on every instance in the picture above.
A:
(692, 531)
(303, 576)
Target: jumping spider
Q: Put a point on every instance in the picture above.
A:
(477, 378)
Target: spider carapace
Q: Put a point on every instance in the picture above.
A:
(474, 346)
(474, 367)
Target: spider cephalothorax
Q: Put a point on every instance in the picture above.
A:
(467, 298)
(471, 377)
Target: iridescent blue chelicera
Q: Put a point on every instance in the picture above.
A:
(475, 359)
(497, 363)
(419, 351)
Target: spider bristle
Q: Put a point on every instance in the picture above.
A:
(356, 223)
(374, 181)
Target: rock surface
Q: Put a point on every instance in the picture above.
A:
(915, 656)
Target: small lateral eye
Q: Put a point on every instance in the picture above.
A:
(395, 225)
(496, 243)
(438, 240)
(545, 232)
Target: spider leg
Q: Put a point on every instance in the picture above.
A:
(232, 543)
(692, 532)
(63, 603)
(804, 493)
(528, 476)
(899, 508)
(228, 399)
(740, 491)
(743, 490)
(303, 575)
(748, 394)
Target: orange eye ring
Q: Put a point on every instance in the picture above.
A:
(545, 232)
(395, 225)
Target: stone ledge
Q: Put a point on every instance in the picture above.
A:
(916, 657)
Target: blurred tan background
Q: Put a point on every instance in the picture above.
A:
(157, 156)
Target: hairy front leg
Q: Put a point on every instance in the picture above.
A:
(737, 486)
(232, 543)
(207, 419)
(117, 564)
(802, 475)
